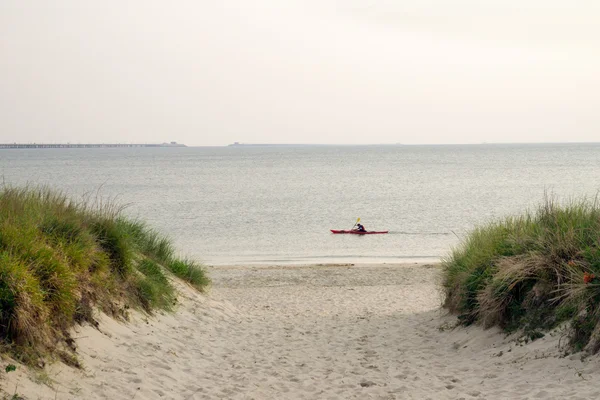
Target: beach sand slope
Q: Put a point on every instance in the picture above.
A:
(311, 332)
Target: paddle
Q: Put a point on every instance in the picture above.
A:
(357, 221)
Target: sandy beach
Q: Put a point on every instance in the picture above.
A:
(309, 332)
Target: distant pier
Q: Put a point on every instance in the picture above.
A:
(84, 145)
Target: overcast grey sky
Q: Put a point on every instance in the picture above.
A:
(291, 71)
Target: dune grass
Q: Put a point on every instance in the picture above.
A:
(158, 248)
(61, 259)
(532, 272)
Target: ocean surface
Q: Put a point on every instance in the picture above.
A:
(238, 205)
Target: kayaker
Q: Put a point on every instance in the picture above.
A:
(360, 228)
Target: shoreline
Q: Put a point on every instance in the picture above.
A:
(327, 261)
(311, 332)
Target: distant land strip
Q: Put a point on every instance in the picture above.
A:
(84, 145)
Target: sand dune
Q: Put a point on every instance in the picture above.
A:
(310, 332)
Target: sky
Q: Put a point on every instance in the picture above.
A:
(208, 73)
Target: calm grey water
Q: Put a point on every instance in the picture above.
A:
(277, 204)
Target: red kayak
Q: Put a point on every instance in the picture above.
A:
(359, 232)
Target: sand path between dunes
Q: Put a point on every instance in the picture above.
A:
(313, 332)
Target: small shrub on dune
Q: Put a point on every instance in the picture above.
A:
(532, 272)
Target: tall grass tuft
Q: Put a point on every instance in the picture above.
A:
(147, 240)
(532, 272)
(158, 248)
(189, 271)
(153, 287)
(60, 259)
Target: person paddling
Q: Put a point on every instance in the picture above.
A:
(360, 228)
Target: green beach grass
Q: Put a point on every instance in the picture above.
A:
(60, 260)
(531, 273)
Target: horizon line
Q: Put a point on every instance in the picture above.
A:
(391, 144)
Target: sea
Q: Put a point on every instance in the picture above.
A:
(246, 205)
